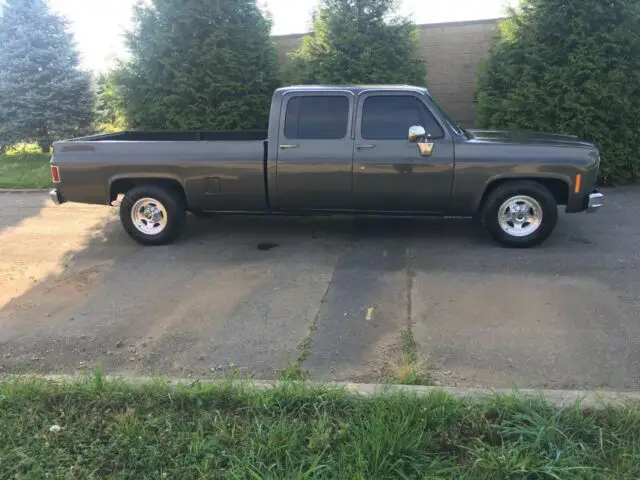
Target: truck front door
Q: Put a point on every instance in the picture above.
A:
(392, 174)
(315, 151)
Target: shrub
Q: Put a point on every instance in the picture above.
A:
(569, 66)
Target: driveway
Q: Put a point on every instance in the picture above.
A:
(339, 296)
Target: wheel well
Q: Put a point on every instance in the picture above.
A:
(558, 188)
(123, 185)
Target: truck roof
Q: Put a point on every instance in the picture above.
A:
(356, 89)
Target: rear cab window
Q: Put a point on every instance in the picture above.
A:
(322, 117)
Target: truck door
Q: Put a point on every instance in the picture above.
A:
(315, 151)
(392, 174)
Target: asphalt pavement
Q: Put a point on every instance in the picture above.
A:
(337, 296)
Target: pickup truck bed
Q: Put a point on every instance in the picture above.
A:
(334, 149)
(184, 157)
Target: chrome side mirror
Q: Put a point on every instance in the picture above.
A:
(417, 134)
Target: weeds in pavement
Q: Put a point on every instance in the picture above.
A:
(97, 428)
(293, 372)
(411, 368)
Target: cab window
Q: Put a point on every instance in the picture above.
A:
(317, 117)
(390, 117)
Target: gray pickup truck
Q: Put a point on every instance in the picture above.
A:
(373, 150)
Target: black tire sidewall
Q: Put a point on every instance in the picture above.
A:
(170, 200)
(531, 189)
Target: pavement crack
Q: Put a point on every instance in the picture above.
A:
(410, 277)
(296, 370)
(410, 368)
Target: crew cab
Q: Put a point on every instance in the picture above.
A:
(382, 150)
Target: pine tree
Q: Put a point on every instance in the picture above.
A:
(570, 66)
(198, 65)
(44, 96)
(359, 41)
(110, 116)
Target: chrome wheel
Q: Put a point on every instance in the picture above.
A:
(520, 216)
(149, 216)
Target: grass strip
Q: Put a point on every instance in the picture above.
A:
(25, 169)
(94, 428)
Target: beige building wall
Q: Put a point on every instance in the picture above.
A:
(453, 52)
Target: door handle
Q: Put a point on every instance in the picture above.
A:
(366, 145)
(288, 146)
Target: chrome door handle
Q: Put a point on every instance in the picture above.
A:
(366, 145)
(288, 146)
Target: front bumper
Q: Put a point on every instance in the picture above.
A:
(596, 201)
(56, 197)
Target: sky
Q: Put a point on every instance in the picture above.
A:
(98, 24)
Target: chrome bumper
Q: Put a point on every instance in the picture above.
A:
(56, 197)
(596, 200)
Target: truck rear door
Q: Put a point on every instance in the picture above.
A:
(315, 151)
(389, 172)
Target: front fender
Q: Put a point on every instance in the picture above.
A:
(493, 181)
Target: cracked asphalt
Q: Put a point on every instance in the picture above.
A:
(333, 295)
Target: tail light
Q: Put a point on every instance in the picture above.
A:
(55, 174)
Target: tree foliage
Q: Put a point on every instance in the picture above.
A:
(359, 41)
(44, 96)
(570, 66)
(199, 64)
(110, 115)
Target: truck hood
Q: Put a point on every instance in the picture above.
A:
(523, 137)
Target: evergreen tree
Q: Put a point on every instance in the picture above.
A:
(198, 65)
(359, 41)
(110, 116)
(570, 66)
(44, 96)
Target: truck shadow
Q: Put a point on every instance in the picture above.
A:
(15, 208)
(336, 227)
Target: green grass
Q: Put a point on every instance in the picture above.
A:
(25, 167)
(115, 430)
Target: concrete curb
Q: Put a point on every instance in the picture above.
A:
(24, 190)
(559, 398)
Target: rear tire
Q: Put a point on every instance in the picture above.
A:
(153, 215)
(520, 214)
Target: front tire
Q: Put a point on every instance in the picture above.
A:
(520, 214)
(153, 215)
